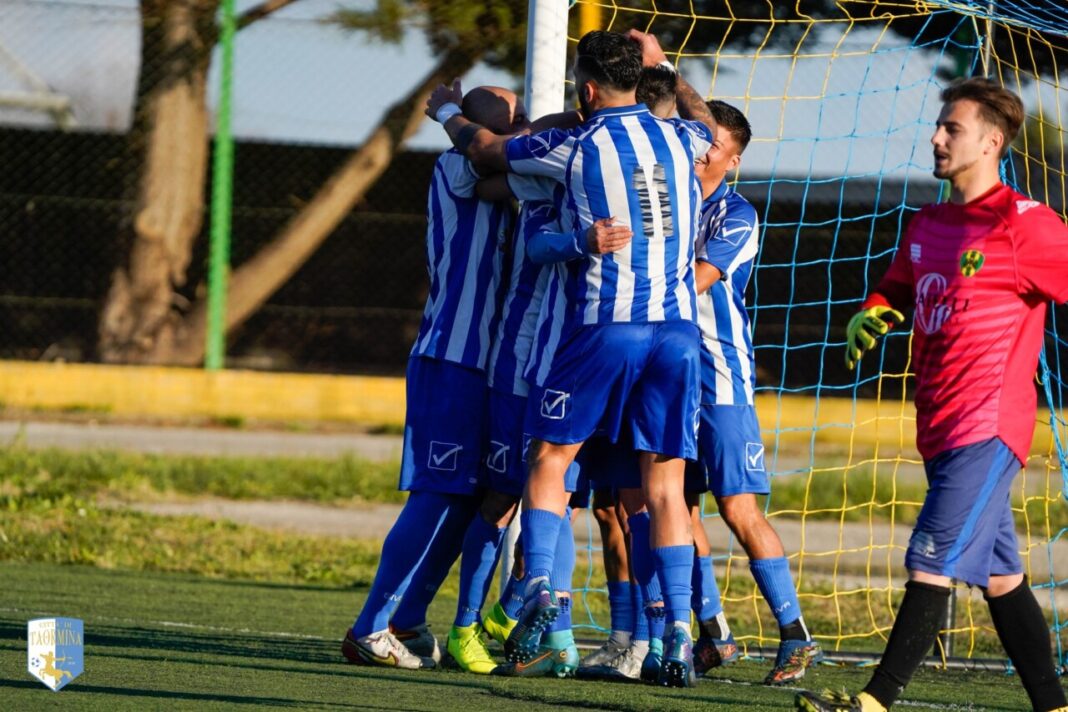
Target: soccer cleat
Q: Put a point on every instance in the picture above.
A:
(557, 657)
(381, 648)
(625, 667)
(676, 668)
(468, 649)
(794, 657)
(829, 701)
(539, 612)
(653, 659)
(709, 653)
(609, 651)
(419, 641)
(497, 624)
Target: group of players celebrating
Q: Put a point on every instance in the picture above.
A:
(601, 341)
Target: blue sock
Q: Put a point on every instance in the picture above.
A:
(403, 551)
(641, 623)
(512, 597)
(674, 566)
(621, 606)
(563, 621)
(564, 556)
(541, 529)
(656, 617)
(481, 548)
(437, 563)
(641, 559)
(777, 585)
(705, 601)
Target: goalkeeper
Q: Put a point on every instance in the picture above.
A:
(980, 271)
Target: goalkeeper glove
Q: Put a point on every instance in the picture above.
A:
(865, 325)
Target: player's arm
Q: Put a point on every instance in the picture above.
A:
(565, 120)
(691, 104)
(881, 310)
(1041, 248)
(601, 238)
(705, 275)
(481, 146)
(494, 188)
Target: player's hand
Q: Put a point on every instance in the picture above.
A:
(605, 236)
(652, 55)
(443, 95)
(864, 327)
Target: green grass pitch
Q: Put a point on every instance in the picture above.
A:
(180, 641)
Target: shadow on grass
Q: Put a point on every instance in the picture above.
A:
(76, 690)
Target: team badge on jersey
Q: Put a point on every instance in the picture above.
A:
(54, 650)
(971, 262)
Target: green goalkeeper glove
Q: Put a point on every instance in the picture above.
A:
(865, 325)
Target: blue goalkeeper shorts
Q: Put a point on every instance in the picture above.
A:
(965, 529)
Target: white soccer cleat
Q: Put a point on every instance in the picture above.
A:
(381, 648)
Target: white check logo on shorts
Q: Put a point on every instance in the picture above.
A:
(497, 457)
(754, 457)
(554, 404)
(443, 456)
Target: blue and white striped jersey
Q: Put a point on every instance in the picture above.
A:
(727, 239)
(465, 239)
(628, 164)
(539, 211)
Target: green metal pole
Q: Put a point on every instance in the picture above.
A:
(222, 181)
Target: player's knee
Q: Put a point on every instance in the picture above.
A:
(740, 511)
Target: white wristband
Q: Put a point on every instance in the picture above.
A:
(667, 65)
(446, 112)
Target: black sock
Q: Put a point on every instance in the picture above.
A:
(922, 611)
(795, 630)
(1025, 637)
(710, 628)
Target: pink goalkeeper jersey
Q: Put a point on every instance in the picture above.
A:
(980, 276)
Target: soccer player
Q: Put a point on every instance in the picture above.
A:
(630, 350)
(979, 271)
(729, 437)
(446, 388)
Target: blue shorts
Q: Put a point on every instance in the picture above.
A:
(965, 529)
(444, 427)
(643, 376)
(506, 464)
(732, 452)
(615, 465)
(506, 452)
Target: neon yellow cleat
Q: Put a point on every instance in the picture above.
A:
(497, 624)
(468, 649)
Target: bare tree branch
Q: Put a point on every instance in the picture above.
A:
(258, 12)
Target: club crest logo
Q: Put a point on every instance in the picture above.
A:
(54, 650)
(971, 262)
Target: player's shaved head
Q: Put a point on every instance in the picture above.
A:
(496, 108)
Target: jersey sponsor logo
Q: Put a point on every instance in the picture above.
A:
(754, 457)
(444, 456)
(971, 262)
(554, 404)
(923, 544)
(497, 457)
(733, 231)
(932, 311)
(914, 252)
(1022, 206)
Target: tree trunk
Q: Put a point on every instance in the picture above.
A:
(171, 136)
(256, 280)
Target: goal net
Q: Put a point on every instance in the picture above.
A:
(842, 97)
